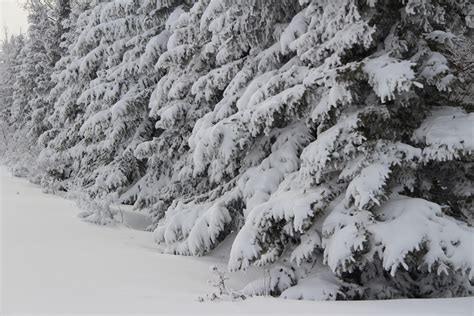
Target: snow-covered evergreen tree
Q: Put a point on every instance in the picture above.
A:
(72, 75)
(332, 153)
(10, 49)
(108, 80)
(30, 97)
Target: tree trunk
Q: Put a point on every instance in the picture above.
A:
(64, 8)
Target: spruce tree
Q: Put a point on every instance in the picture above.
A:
(30, 97)
(9, 65)
(101, 111)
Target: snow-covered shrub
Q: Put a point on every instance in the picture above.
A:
(275, 281)
(221, 291)
(95, 211)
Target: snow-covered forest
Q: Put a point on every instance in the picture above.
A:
(326, 144)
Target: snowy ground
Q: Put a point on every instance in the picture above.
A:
(54, 263)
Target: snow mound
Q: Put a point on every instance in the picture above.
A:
(388, 75)
(446, 132)
(275, 281)
(318, 287)
(447, 242)
(366, 189)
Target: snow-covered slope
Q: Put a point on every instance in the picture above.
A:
(54, 263)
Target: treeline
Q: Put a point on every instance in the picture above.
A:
(330, 139)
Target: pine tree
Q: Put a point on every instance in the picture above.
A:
(117, 114)
(30, 97)
(10, 48)
(108, 80)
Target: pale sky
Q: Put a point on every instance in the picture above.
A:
(13, 16)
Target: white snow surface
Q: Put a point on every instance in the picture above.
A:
(447, 126)
(54, 263)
